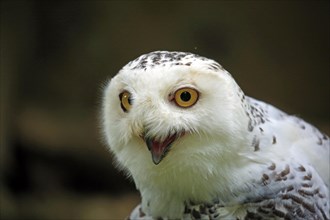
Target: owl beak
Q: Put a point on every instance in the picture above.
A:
(159, 149)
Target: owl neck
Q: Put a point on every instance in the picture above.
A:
(200, 177)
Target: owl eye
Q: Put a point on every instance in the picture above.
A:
(186, 97)
(125, 101)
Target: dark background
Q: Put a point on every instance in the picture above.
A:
(56, 55)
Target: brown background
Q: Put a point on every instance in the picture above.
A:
(56, 55)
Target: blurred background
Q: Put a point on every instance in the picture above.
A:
(57, 55)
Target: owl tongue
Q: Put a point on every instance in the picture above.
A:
(159, 149)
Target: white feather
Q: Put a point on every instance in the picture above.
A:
(227, 146)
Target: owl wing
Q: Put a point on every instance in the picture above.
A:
(295, 185)
(282, 191)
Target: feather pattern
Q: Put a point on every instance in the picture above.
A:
(233, 157)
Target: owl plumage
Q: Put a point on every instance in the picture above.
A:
(198, 148)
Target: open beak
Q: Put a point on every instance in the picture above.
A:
(159, 149)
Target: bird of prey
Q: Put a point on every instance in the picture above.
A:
(198, 148)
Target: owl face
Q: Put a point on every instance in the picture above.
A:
(164, 109)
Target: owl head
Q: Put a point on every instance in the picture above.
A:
(167, 107)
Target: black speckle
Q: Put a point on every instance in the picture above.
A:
(301, 213)
(252, 215)
(262, 119)
(274, 140)
(272, 167)
(143, 64)
(265, 179)
(307, 185)
(301, 168)
(263, 210)
(250, 126)
(162, 58)
(196, 214)
(202, 209)
(256, 145)
(285, 172)
(279, 213)
(156, 58)
(212, 210)
(307, 177)
(216, 215)
(256, 115)
(303, 192)
(278, 178)
(187, 210)
(325, 137)
(216, 201)
(290, 188)
(141, 213)
(214, 66)
(192, 203)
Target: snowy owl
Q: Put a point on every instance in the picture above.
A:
(198, 148)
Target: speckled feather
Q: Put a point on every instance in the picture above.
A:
(241, 158)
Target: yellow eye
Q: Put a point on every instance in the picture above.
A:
(186, 97)
(125, 101)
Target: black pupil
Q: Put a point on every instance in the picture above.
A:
(129, 100)
(185, 96)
